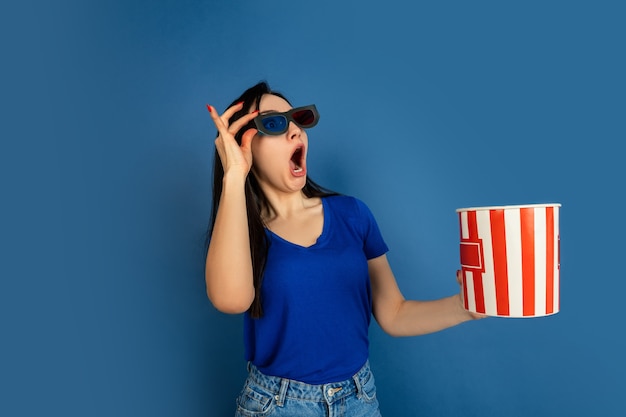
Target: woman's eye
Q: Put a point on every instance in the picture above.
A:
(274, 123)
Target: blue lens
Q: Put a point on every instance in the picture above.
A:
(274, 123)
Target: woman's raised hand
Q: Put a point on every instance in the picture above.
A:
(235, 158)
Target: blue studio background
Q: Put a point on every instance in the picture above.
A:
(106, 162)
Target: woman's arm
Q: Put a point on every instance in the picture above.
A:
(228, 269)
(400, 317)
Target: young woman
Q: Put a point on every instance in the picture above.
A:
(306, 265)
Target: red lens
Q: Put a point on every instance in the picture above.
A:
(304, 117)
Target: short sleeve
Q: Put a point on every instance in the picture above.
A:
(373, 243)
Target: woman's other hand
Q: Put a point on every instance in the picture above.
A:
(459, 279)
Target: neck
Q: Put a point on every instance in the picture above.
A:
(283, 205)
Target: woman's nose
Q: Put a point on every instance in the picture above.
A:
(293, 132)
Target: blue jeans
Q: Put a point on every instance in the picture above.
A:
(264, 395)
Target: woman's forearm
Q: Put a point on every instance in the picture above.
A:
(228, 271)
(415, 318)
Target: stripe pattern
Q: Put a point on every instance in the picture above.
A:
(510, 259)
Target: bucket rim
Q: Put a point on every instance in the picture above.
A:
(518, 206)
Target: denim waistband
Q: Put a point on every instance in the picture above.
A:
(287, 388)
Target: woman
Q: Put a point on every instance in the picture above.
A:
(306, 265)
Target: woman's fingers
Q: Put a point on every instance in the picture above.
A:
(241, 122)
(226, 115)
(246, 140)
(233, 155)
(231, 110)
(219, 124)
(459, 278)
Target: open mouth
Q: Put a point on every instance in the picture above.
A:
(297, 160)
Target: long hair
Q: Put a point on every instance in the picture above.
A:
(256, 201)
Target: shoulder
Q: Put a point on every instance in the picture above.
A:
(356, 216)
(342, 201)
(347, 205)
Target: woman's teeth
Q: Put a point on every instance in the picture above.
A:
(295, 161)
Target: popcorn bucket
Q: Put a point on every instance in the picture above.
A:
(510, 259)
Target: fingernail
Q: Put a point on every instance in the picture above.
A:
(208, 108)
(240, 103)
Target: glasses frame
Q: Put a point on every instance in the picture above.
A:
(288, 115)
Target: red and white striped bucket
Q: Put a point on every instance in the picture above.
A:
(510, 259)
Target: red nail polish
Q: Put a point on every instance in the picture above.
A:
(208, 108)
(240, 103)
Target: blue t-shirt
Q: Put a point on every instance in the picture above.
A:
(317, 300)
